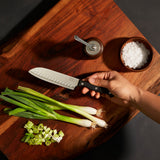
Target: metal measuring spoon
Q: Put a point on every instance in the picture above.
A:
(90, 46)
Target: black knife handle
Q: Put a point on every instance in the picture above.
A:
(95, 88)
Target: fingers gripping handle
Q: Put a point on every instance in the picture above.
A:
(95, 88)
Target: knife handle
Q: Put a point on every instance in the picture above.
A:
(95, 88)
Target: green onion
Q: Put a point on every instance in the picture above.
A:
(29, 115)
(97, 121)
(39, 114)
(34, 105)
(59, 106)
(16, 111)
(39, 134)
(7, 99)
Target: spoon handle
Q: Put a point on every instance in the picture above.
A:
(82, 41)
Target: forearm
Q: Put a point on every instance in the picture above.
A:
(149, 104)
(126, 93)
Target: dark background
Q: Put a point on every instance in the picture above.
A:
(137, 140)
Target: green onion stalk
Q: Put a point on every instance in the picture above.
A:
(87, 109)
(33, 104)
(33, 111)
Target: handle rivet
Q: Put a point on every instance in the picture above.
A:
(82, 83)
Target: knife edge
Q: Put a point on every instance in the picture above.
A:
(54, 77)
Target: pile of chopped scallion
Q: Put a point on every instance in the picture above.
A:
(34, 105)
(39, 134)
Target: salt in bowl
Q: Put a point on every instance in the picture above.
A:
(136, 54)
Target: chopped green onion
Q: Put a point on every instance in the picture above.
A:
(61, 134)
(29, 125)
(47, 143)
(41, 134)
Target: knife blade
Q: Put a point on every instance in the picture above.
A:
(64, 80)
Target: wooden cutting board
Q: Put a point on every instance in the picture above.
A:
(49, 43)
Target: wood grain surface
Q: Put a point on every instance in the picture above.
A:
(49, 43)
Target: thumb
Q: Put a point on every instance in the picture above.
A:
(98, 82)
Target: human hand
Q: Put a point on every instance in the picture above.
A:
(124, 92)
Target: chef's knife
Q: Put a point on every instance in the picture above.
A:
(64, 80)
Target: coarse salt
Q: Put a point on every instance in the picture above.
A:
(135, 54)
